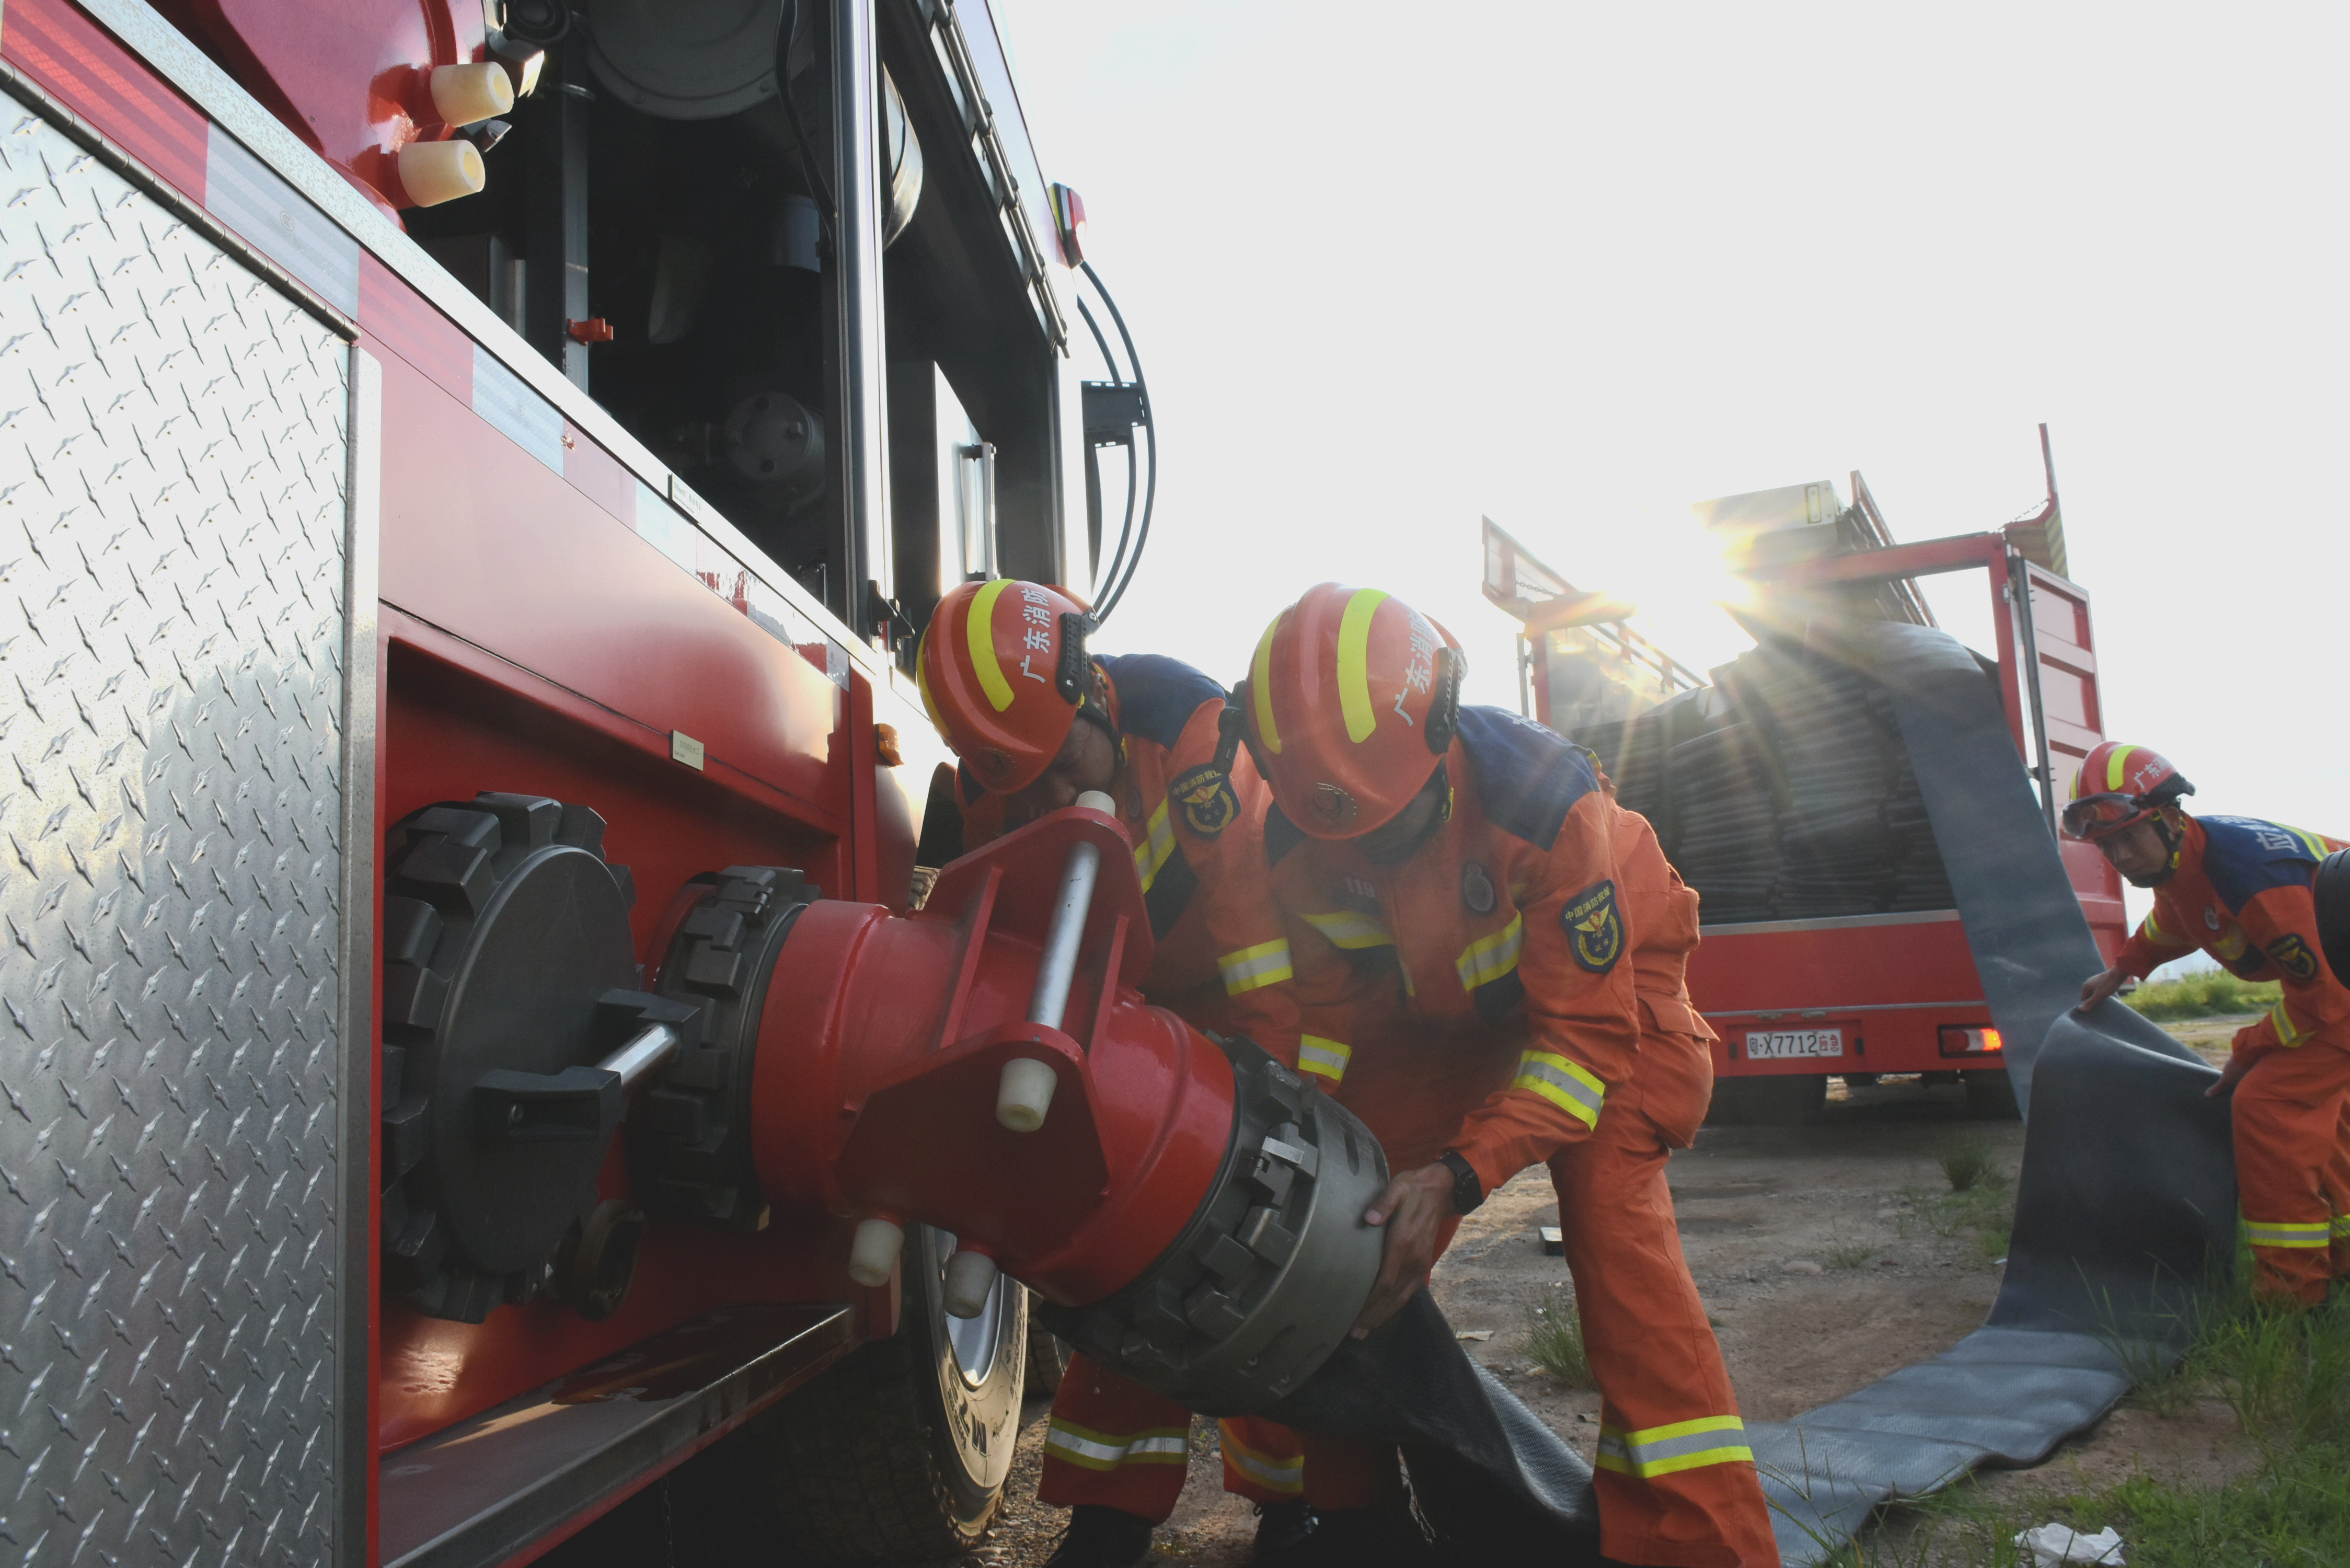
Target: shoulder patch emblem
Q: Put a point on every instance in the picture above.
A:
(1207, 800)
(2291, 954)
(1476, 889)
(1594, 927)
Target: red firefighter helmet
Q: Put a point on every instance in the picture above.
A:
(1003, 672)
(1350, 703)
(2119, 786)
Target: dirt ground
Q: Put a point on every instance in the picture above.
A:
(1821, 1254)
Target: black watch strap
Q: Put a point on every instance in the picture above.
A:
(1467, 1190)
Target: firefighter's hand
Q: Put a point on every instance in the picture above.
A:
(1413, 1210)
(2239, 1064)
(2098, 988)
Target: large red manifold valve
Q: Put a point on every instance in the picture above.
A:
(1191, 1208)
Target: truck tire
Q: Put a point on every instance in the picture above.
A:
(895, 1455)
(1048, 1357)
(1990, 1095)
(1777, 1100)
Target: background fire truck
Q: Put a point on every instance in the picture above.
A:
(472, 476)
(1782, 789)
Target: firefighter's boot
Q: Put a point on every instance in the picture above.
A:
(1281, 1529)
(1102, 1537)
(1382, 1536)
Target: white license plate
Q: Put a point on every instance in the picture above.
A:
(1774, 1045)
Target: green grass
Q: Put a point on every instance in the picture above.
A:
(1554, 1340)
(1970, 1163)
(2205, 995)
(2286, 1375)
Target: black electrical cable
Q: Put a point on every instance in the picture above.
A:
(1150, 434)
(1126, 529)
(817, 186)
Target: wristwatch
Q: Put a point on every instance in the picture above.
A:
(1467, 1190)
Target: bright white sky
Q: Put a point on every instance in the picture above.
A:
(1576, 266)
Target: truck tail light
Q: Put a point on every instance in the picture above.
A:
(1969, 1042)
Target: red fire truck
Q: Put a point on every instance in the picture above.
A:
(471, 474)
(1832, 945)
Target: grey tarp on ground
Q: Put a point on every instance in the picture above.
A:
(2125, 1199)
(2128, 1195)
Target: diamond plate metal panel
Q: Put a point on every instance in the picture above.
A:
(172, 459)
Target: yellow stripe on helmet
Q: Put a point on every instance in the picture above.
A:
(2117, 767)
(1260, 687)
(981, 630)
(1355, 664)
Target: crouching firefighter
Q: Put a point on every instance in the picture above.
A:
(1485, 962)
(1036, 721)
(2243, 890)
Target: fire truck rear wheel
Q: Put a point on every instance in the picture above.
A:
(1990, 1095)
(898, 1454)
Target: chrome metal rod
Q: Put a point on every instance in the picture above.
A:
(644, 1053)
(1051, 997)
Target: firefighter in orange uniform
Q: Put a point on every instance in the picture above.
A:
(1006, 676)
(1482, 955)
(2240, 890)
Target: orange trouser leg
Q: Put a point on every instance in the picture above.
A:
(2288, 1112)
(1110, 1441)
(1264, 1460)
(1115, 1443)
(2337, 1193)
(1676, 1480)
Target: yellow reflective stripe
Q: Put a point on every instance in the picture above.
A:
(2117, 767)
(2231, 943)
(1158, 843)
(1260, 687)
(1275, 1474)
(2266, 1233)
(1352, 928)
(2281, 1020)
(979, 630)
(1563, 1083)
(2309, 841)
(1323, 1058)
(2152, 932)
(1264, 964)
(2342, 1227)
(1488, 958)
(1094, 1451)
(1355, 664)
(1683, 1446)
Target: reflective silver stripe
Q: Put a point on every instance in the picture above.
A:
(1286, 1475)
(1683, 1446)
(1158, 843)
(1490, 957)
(1251, 967)
(1351, 929)
(1325, 1058)
(1572, 1088)
(1100, 1450)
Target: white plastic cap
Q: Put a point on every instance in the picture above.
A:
(873, 1252)
(467, 95)
(437, 171)
(969, 1276)
(1024, 1093)
(1098, 800)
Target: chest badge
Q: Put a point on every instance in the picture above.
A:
(1595, 927)
(1477, 888)
(2211, 916)
(1206, 797)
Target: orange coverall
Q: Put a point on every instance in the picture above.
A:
(1477, 997)
(2240, 891)
(1111, 1441)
